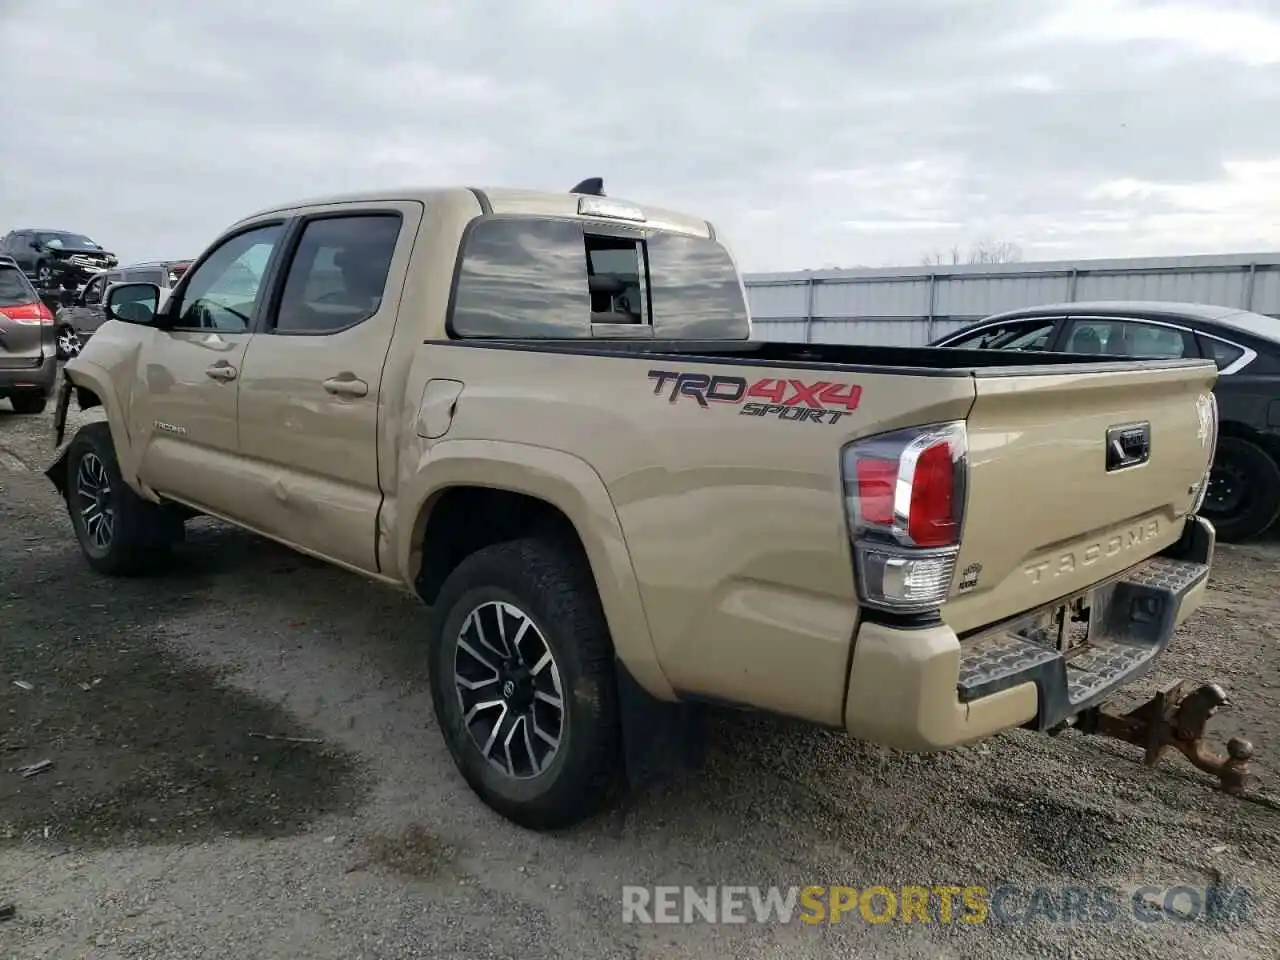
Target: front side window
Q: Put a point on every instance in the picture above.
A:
(338, 275)
(530, 277)
(1015, 335)
(223, 292)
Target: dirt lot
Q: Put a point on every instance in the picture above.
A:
(170, 826)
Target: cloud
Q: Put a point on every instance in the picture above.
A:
(809, 131)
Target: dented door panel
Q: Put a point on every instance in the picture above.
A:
(185, 415)
(311, 403)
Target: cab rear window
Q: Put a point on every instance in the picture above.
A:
(542, 278)
(15, 289)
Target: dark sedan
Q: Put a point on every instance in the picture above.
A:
(1244, 489)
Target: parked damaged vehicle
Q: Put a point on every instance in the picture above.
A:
(56, 259)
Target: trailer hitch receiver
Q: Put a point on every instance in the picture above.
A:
(1176, 718)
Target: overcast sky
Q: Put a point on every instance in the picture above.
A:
(812, 133)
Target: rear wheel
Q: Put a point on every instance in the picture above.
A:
(44, 275)
(1243, 499)
(28, 403)
(523, 686)
(120, 534)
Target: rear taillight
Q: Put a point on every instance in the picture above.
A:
(904, 498)
(1207, 412)
(29, 313)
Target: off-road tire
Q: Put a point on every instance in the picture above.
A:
(142, 531)
(28, 403)
(549, 581)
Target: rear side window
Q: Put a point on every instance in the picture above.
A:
(338, 274)
(539, 278)
(15, 289)
(1223, 354)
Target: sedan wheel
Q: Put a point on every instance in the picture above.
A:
(1243, 498)
(69, 344)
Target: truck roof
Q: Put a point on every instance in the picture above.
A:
(508, 200)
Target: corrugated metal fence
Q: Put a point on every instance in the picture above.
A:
(915, 305)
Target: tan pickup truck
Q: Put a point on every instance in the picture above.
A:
(542, 414)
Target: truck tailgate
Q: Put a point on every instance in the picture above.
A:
(1050, 510)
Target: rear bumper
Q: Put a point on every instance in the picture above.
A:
(925, 689)
(35, 379)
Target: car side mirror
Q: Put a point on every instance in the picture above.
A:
(132, 303)
(35, 244)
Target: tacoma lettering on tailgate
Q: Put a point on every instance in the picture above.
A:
(1090, 554)
(783, 399)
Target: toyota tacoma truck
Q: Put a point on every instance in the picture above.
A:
(544, 415)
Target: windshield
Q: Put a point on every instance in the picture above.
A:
(14, 288)
(68, 240)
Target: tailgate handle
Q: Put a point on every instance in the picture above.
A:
(1128, 445)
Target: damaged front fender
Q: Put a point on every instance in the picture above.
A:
(86, 399)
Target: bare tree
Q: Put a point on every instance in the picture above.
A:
(984, 251)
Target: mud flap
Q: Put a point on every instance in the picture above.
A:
(57, 471)
(60, 412)
(661, 740)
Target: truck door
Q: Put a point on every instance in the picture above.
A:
(185, 417)
(310, 393)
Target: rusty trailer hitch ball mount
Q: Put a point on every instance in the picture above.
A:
(1175, 718)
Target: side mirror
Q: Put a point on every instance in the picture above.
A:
(132, 302)
(35, 244)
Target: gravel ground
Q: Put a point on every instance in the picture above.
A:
(170, 826)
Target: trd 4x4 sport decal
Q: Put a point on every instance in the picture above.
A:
(793, 400)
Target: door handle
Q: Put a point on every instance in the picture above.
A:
(221, 371)
(346, 385)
